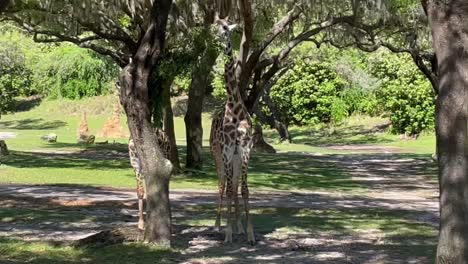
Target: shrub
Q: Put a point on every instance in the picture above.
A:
(306, 94)
(15, 77)
(73, 72)
(405, 94)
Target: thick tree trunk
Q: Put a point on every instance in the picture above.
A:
(134, 97)
(274, 120)
(449, 24)
(193, 117)
(260, 145)
(168, 122)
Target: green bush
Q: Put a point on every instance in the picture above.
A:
(15, 77)
(309, 94)
(72, 72)
(360, 101)
(405, 94)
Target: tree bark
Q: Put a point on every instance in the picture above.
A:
(168, 125)
(260, 145)
(134, 97)
(193, 117)
(449, 25)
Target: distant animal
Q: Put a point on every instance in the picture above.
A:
(50, 138)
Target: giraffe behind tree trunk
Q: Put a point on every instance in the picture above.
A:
(165, 146)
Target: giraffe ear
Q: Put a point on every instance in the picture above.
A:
(232, 27)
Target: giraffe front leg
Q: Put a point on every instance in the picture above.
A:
(245, 194)
(228, 177)
(237, 172)
(240, 228)
(221, 188)
(228, 234)
(140, 195)
(250, 231)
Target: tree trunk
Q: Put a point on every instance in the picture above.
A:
(260, 145)
(274, 120)
(168, 122)
(193, 117)
(449, 25)
(134, 97)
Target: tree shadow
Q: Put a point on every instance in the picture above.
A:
(85, 159)
(26, 104)
(356, 134)
(32, 124)
(325, 232)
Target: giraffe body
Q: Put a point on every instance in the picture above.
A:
(230, 144)
(165, 147)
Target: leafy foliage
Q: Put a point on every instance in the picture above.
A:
(28, 68)
(15, 76)
(405, 95)
(71, 72)
(306, 94)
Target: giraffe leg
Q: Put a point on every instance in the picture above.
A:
(237, 170)
(250, 231)
(228, 234)
(245, 197)
(228, 176)
(221, 188)
(140, 195)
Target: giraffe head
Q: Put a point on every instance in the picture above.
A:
(224, 31)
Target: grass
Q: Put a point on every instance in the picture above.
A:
(394, 231)
(286, 171)
(17, 251)
(33, 161)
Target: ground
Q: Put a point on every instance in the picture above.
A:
(348, 195)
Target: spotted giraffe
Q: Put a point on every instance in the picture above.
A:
(231, 139)
(165, 146)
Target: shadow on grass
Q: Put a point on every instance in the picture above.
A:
(285, 235)
(87, 159)
(340, 136)
(26, 104)
(32, 124)
(17, 251)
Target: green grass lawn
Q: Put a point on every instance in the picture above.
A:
(283, 171)
(307, 164)
(17, 251)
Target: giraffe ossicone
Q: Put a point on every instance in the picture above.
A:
(231, 143)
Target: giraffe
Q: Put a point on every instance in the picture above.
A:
(165, 146)
(231, 138)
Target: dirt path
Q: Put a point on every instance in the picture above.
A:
(395, 184)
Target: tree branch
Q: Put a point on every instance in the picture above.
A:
(85, 42)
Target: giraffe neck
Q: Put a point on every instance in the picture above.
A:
(232, 89)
